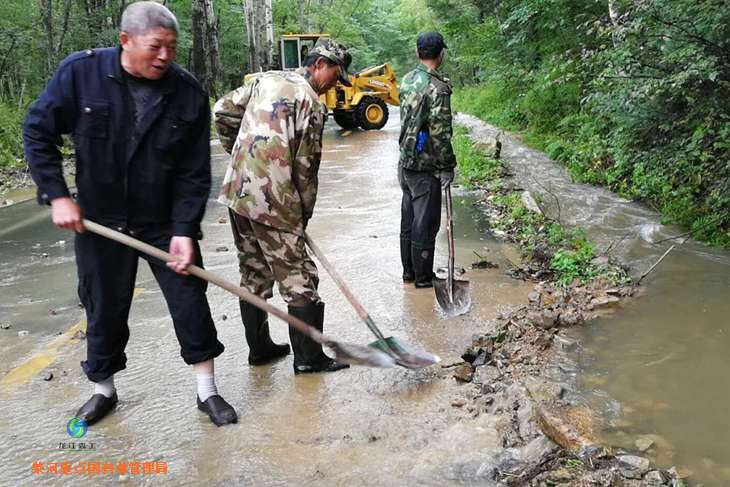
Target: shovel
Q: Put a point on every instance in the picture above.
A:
(400, 352)
(452, 294)
(344, 352)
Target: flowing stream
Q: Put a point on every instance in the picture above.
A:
(659, 366)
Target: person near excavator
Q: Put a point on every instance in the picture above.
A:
(272, 127)
(427, 160)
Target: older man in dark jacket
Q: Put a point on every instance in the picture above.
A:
(140, 126)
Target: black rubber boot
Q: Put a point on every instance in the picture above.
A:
(261, 348)
(422, 267)
(308, 355)
(406, 261)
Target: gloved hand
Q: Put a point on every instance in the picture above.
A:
(446, 177)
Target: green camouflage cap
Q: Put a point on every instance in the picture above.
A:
(336, 52)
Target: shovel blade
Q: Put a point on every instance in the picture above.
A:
(349, 353)
(404, 355)
(458, 302)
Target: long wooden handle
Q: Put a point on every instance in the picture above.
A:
(359, 309)
(148, 249)
(450, 237)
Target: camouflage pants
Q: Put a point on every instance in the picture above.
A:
(267, 255)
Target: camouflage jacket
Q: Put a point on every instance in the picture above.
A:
(425, 105)
(272, 127)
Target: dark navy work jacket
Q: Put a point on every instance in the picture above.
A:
(151, 179)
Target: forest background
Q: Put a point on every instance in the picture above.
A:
(631, 94)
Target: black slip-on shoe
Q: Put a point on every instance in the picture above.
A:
(423, 284)
(96, 408)
(329, 365)
(274, 352)
(218, 410)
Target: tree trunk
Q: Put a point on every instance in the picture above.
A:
(260, 33)
(250, 17)
(46, 10)
(199, 66)
(303, 24)
(92, 20)
(269, 23)
(613, 13)
(214, 57)
(617, 18)
(64, 26)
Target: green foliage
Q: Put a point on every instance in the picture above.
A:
(376, 31)
(574, 264)
(474, 165)
(11, 142)
(572, 253)
(487, 101)
(574, 464)
(640, 102)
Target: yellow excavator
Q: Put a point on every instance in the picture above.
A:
(362, 105)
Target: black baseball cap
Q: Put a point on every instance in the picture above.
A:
(431, 39)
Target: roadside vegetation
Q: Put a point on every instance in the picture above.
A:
(11, 142)
(558, 251)
(631, 95)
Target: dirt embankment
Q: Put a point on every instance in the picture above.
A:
(525, 375)
(17, 185)
(12, 180)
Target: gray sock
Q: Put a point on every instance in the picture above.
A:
(206, 386)
(105, 387)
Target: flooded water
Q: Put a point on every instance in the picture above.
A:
(37, 264)
(660, 365)
(355, 427)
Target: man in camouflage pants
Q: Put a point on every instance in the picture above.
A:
(427, 159)
(272, 127)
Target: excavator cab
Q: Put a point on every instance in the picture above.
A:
(364, 104)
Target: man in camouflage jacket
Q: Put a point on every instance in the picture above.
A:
(272, 127)
(427, 159)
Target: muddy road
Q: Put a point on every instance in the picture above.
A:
(356, 427)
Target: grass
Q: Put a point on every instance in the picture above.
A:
(474, 165)
(571, 255)
(676, 179)
(11, 137)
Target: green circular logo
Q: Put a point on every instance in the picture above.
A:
(77, 428)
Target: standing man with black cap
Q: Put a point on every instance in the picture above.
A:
(427, 158)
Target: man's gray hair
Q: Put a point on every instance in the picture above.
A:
(140, 17)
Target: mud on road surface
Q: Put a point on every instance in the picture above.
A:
(355, 427)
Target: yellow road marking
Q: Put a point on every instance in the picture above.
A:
(31, 367)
